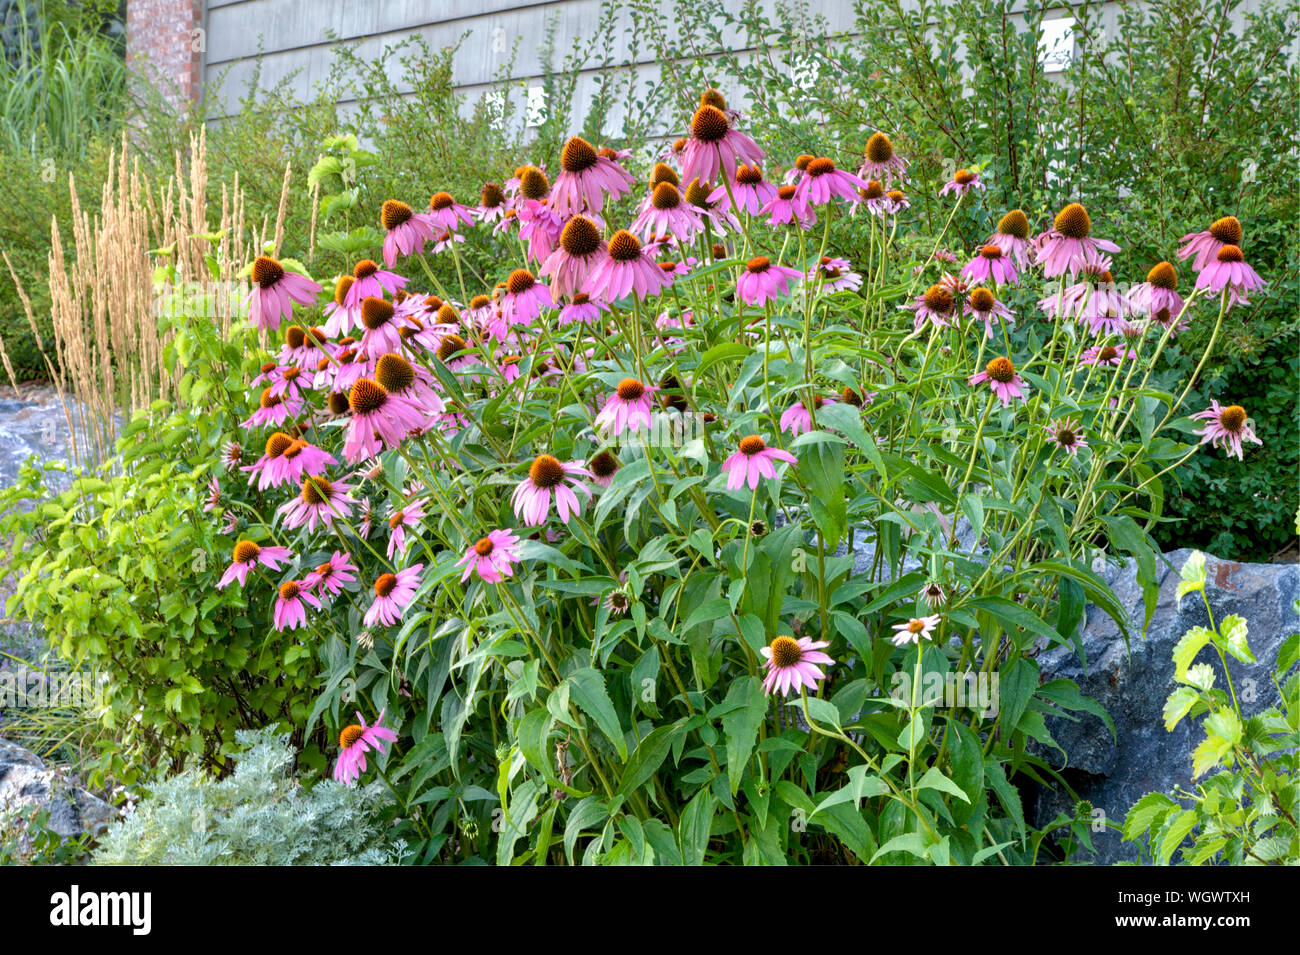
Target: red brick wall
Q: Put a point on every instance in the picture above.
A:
(162, 46)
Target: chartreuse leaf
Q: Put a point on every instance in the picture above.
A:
(587, 688)
(1185, 650)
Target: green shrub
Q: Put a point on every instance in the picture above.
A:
(259, 815)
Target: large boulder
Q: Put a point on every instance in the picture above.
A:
(27, 785)
(1132, 681)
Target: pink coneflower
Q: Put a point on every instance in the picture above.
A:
(525, 298)
(585, 176)
(214, 500)
(715, 147)
(287, 460)
(410, 516)
(750, 190)
(246, 556)
(792, 664)
(303, 347)
(581, 309)
(1066, 434)
(1158, 293)
(763, 282)
(404, 381)
(407, 230)
(626, 269)
(1226, 427)
(320, 502)
(879, 161)
(392, 593)
(274, 291)
(354, 742)
(628, 408)
(603, 466)
(370, 281)
(232, 454)
(797, 418)
(893, 202)
(379, 419)
(339, 317)
(448, 214)
(290, 614)
(937, 306)
(753, 460)
(835, 274)
(1106, 355)
(665, 212)
(1002, 380)
(548, 477)
(822, 182)
(983, 304)
(490, 557)
(1230, 271)
(273, 410)
(1012, 237)
(331, 575)
(962, 182)
(1068, 246)
(1206, 245)
(492, 203)
(480, 312)
(581, 249)
(785, 207)
(540, 227)
(445, 240)
(914, 630)
(991, 263)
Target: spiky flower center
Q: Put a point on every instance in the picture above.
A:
(393, 213)
(338, 402)
(520, 281)
(546, 471)
(603, 465)
(938, 299)
(491, 195)
(1014, 223)
(821, 166)
(317, 490)
(295, 336)
(266, 271)
(1230, 253)
(1162, 275)
(751, 445)
(991, 252)
(879, 148)
(365, 268)
(851, 397)
(479, 301)
(375, 312)
(385, 584)
(665, 196)
(749, 175)
(394, 372)
(580, 237)
(629, 389)
(875, 189)
(289, 590)
(295, 449)
(1066, 437)
(915, 626)
(533, 183)
(277, 444)
(709, 124)
(1073, 222)
(366, 396)
(981, 299)
(267, 400)
(1001, 370)
(664, 173)
(697, 193)
(349, 735)
(578, 155)
(786, 651)
(963, 176)
(896, 195)
(441, 200)
(1227, 230)
(758, 264)
(342, 288)
(450, 346)
(624, 246)
(711, 97)
(1232, 418)
(447, 315)
(245, 552)
(1108, 353)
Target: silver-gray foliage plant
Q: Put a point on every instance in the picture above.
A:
(259, 815)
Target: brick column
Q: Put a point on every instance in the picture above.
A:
(163, 47)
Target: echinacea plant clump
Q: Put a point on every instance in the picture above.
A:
(682, 525)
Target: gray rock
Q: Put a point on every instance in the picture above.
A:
(1133, 682)
(27, 784)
